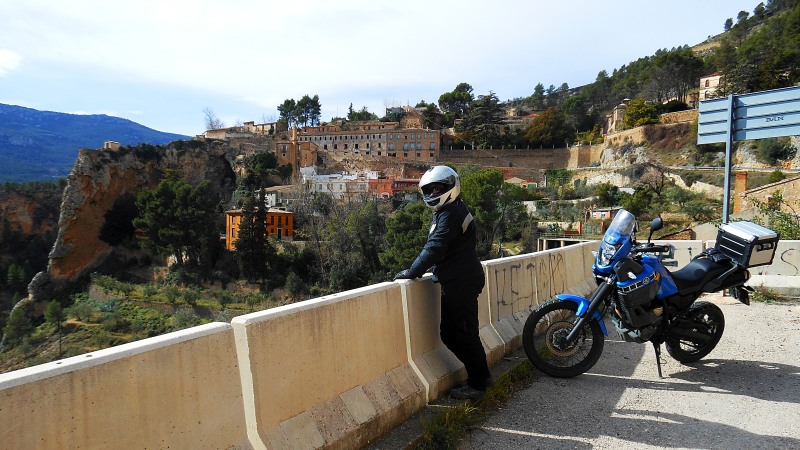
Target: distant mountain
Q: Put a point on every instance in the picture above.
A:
(43, 145)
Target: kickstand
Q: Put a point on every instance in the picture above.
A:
(657, 348)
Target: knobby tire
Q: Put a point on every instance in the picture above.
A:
(710, 321)
(539, 338)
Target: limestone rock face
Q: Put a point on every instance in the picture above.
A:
(31, 211)
(98, 179)
(624, 156)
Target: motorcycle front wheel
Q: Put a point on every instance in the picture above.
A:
(544, 332)
(709, 321)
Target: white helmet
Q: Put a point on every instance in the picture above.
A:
(440, 186)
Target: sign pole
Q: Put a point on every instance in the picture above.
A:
(728, 162)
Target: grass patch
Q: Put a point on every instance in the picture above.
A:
(448, 428)
(766, 295)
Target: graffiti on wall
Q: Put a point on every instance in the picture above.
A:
(521, 285)
(786, 262)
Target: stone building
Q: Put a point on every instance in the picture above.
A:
(375, 139)
(749, 198)
(709, 85)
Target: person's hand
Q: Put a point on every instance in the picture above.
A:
(404, 274)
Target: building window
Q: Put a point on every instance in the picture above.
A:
(707, 83)
(335, 146)
(325, 147)
(391, 136)
(419, 145)
(405, 154)
(433, 146)
(405, 145)
(391, 145)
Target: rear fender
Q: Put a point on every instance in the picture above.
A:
(583, 305)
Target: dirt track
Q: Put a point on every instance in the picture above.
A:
(744, 395)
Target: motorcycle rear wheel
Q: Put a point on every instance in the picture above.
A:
(710, 321)
(546, 325)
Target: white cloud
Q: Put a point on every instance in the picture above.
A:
(253, 54)
(8, 61)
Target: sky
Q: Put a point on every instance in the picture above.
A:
(162, 63)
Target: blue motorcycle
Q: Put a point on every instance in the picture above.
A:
(646, 302)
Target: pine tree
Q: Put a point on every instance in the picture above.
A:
(18, 326)
(254, 252)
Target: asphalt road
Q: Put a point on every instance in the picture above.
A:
(744, 395)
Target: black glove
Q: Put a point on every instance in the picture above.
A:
(404, 274)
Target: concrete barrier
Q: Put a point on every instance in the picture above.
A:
(437, 367)
(180, 391)
(517, 284)
(682, 252)
(332, 372)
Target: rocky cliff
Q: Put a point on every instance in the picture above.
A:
(30, 209)
(99, 178)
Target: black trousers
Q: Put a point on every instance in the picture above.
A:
(459, 328)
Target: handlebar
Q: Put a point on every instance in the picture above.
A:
(651, 248)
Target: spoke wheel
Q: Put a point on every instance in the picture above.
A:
(709, 321)
(545, 332)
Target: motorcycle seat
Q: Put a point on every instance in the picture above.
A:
(696, 274)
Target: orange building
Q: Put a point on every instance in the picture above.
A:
(279, 224)
(381, 187)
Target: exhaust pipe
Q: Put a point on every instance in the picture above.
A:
(689, 335)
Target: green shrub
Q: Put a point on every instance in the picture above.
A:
(776, 176)
(771, 150)
(84, 311)
(184, 318)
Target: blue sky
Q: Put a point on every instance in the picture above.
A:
(160, 64)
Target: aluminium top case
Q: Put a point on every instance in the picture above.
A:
(747, 243)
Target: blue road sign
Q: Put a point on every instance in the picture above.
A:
(758, 115)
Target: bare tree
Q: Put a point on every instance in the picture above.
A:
(211, 120)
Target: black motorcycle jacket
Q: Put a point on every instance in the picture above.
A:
(451, 246)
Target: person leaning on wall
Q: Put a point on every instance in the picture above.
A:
(450, 250)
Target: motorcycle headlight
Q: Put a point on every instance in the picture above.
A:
(606, 254)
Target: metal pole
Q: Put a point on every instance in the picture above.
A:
(728, 162)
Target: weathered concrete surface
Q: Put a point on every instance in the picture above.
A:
(180, 390)
(744, 395)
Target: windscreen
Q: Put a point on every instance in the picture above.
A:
(621, 227)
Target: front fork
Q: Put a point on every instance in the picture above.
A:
(588, 309)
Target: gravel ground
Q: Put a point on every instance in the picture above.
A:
(744, 395)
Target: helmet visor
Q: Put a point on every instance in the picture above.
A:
(434, 189)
